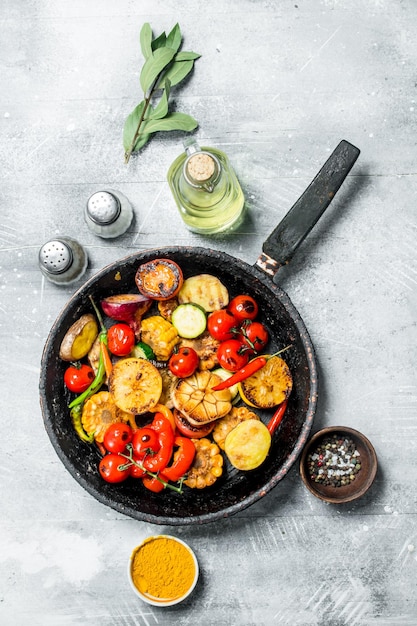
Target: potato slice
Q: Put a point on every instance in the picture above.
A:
(248, 444)
(79, 338)
(136, 385)
(227, 423)
(205, 290)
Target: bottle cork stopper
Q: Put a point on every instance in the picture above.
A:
(201, 167)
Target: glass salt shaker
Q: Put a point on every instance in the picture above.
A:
(108, 213)
(206, 189)
(62, 260)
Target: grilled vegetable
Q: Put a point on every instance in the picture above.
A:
(205, 290)
(206, 348)
(189, 320)
(207, 465)
(248, 444)
(160, 335)
(160, 279)
(227, 423)
(127, 307)
(79, 338)
(167, 307)
(99, 412)
(194, 397)
(136, 385)
(269, 386)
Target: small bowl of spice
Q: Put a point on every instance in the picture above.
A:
(163, 570)
(338, 464)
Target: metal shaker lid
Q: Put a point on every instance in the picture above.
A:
(103, 208)
(55, 257)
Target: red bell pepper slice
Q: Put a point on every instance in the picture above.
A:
(160, 460)
(183, 459)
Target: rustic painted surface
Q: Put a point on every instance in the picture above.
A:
(278, 85)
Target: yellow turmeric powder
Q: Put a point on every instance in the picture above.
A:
(162, 568)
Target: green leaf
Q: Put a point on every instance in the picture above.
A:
(173, 121)
(131, 125)
(174, 38)
(186, 56)
(159, 42)
(162, 107)
(146, 40)
(154, 65)
(142, 140)
(176, 73)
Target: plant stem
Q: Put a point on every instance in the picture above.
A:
(136, 135)
(147, 100)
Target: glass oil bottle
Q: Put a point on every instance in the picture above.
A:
(206, 190)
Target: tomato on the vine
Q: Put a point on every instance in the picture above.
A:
(117, 436)
(145, 440)
(78, 377)
(243, 307)
(184, 362)
(221, 323)
(120, 339)
(255, 336)
(114, 468)
(232, 355)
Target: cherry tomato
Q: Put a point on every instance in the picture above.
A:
(117, 436)
(121, 339)
(243, 308)
(135, 470)
(112, 468)
(145, 440)
(220, 324)
(154, 484)
(232, 355)
(189, 430)
(184, 362)
(255, 335)
(78, 377)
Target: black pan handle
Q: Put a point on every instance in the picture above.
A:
(281, 244)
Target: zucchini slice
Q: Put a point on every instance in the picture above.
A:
(189, 320)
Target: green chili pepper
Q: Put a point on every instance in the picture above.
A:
(78, 427)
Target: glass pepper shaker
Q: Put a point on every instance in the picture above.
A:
(108, 213)
(63, 260)
(206, 190)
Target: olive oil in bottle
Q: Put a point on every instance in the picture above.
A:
(206, 189)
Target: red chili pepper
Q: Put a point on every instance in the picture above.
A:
(160, 460)
(276, 419)
(246, 371)
(183, 458)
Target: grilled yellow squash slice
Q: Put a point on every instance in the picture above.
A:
(136, 385)
(269, 386)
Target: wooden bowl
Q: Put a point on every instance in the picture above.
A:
(354, 488)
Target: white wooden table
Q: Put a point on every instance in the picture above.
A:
(277, 87)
